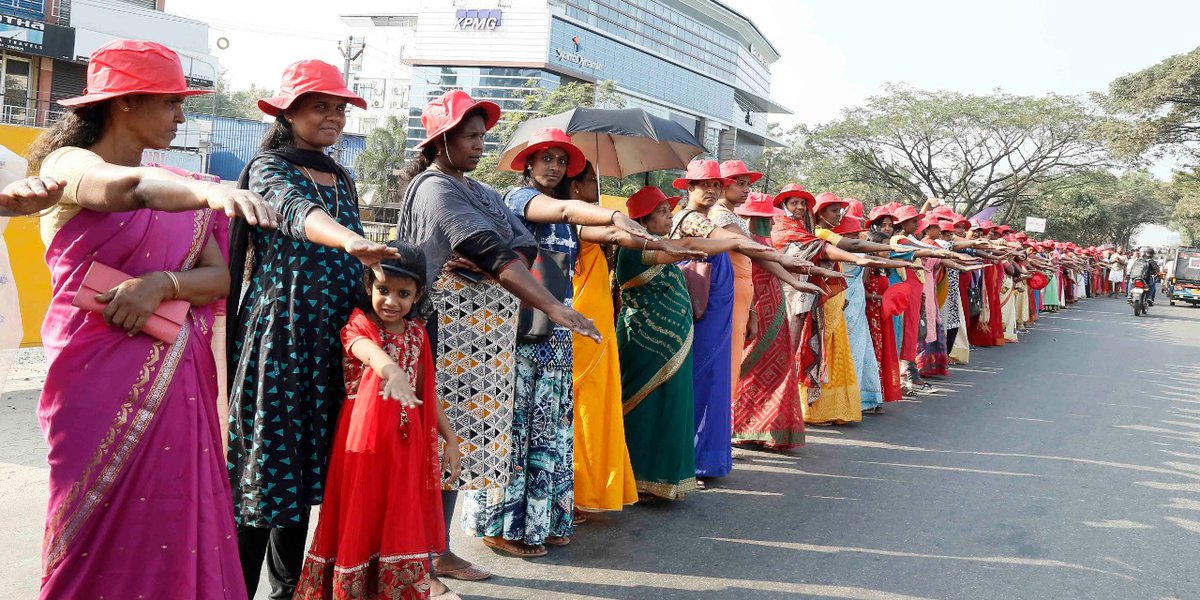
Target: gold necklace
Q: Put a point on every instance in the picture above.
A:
(337, 201)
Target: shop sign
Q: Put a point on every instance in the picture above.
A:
(35, 37)
(477, 19)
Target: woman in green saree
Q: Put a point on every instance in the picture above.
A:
(654, 341)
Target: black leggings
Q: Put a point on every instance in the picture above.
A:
(283, 549)
(951, 335)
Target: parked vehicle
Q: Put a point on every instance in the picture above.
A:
(1183, 281)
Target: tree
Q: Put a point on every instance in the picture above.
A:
(383, 156)
(1096, 206)
(1156, 110)
(1184, 191)
(975, 150)
(227, 102)
(543, 103)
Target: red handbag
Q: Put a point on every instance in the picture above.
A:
(164, 323)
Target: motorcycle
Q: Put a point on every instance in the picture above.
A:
(1138, 289)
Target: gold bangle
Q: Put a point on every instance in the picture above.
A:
(648, 257)
(174, 283)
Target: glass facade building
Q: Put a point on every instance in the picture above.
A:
(696, 62)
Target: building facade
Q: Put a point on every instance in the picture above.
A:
(697, 62)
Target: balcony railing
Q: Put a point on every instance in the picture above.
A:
(31, 113)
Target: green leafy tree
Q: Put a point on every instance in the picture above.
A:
(975, 150)
(377, 165)
(1156, 110)
(227, 102)
(1184, 192)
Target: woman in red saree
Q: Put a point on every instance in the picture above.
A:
(139, 493)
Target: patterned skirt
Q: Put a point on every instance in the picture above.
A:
(477, 338)
(538, 501)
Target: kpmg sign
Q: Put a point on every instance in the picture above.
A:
(477, 19)
(35, 37)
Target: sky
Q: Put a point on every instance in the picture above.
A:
(835, 53)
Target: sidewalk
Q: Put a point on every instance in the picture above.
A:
(23, 473)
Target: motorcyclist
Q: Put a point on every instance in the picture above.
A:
(1144, 267)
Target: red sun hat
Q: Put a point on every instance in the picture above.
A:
(850, 225)
(827, 199)
(905, 212)
(309, 77)
(731, 169)
(551, 138)
(124, 67)
(879, 212)
(928, 221)
(759, 204)
(855, 208)
(896, 299)
(1038, 280)
(645, 200)
(795, 190)
(448, 110)
(701, 170)
(1004, 229)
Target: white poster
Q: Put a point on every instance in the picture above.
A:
(1035, 224)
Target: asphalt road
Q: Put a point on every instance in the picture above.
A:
(1067, 466)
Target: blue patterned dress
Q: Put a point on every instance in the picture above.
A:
(540, 496)
(286, 357)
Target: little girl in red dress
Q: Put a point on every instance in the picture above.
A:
(382, 515)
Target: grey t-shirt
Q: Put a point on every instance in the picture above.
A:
(439, 212)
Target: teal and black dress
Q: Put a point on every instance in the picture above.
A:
(285, 353)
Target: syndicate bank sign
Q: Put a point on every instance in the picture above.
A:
(574, 57)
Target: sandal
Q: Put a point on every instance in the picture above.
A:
(514, 548)
(467, 573)
(558, 541)
(578, 518)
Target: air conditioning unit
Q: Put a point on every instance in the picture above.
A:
(376, 104)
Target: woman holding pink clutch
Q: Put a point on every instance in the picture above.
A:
(139, 493)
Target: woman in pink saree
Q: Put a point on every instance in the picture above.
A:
(139, 492)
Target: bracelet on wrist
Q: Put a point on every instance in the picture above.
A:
(174, 284)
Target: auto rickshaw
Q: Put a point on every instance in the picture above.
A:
(1183, 282)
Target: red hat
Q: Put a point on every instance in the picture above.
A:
(1004, 229)
(904, 212)
(759, 204)
(123, 67)
(448, 110)
(701, 170)
(736, 168)
(850, 224)
(928, 221)
(551, 138)
(309, 77)
(645, 200)
(795, 190)
(1038, 280)
(896, 299)
(878, 213)
(855, 207)
(826, 199)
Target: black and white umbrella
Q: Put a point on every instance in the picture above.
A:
(619, 142)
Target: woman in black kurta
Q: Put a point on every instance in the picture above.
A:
(294, 290)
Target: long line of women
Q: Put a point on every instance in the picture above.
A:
(222, 360)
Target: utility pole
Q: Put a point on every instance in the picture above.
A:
(350, 52)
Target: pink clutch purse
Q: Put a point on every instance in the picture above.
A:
(164, 323)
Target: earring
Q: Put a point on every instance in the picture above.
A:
(125, 108)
